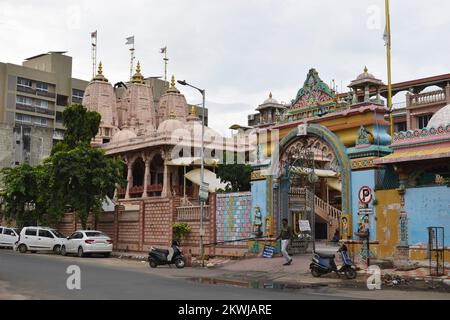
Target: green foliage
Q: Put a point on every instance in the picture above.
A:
(75, 174)
(180, 230)
(238, 175)
(27, 195)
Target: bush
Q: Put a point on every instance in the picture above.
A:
(180, 230)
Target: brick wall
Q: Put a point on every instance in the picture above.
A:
(157, 222)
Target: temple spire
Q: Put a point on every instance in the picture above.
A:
(100, 76)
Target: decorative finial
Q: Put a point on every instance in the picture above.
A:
(100, 76)
(193, 111)
(100, 68)
(365, 69)
(138, 67)
(270, 95)
(172, 82)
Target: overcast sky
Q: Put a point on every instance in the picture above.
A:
(238, 50)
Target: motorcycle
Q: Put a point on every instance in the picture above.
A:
(323, 263)
(157, 257)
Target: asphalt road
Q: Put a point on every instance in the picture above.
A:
(41, 276)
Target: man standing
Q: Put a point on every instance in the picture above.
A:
(285, 235)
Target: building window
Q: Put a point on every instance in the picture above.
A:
(422, 121)
(77, 94)
(62, 100)
(400, 126)
(24, 100)
(41, 104)
(24, 82)
(22, 118)
(42, 122)
(41, 86)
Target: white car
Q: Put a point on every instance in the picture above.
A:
(40, 239)
(8, 236)
(84, 242)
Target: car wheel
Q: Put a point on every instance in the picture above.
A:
(107, 254)
(63, 251)
(80, 252)
(179, 263)
(57, 249)
(153, 264)
(23, 248)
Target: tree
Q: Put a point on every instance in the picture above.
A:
(238, 175)
(82, 175)
(27, 195)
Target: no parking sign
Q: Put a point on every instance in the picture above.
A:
(365, 195)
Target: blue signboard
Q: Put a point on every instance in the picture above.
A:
(268, 251)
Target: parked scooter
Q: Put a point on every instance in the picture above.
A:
(157, 257)
(323, 263)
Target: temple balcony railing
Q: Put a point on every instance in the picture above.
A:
(192, 213)
(426, 98)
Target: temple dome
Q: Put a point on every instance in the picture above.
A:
(440, 118)
(270, 100)
(170, 124)
(365, 75)
(123, 135)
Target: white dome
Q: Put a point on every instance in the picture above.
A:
(270, 100)
(170, 125)
(440, 118)
(123, 135)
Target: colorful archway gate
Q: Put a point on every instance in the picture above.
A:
(339, 150)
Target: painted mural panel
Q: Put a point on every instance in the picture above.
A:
(259, 207)
(233, 217)
(427, 207)
(360, 179)
(388, 211)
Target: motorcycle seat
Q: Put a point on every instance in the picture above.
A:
(325, 255)
(161, 250)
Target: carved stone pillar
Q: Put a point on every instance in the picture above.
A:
(165, 190)
(146, 175)
(129, 179)
(402, 250)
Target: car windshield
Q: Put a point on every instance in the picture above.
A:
(95, 234)
(58, 234)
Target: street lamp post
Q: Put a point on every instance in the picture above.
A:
(202, 166)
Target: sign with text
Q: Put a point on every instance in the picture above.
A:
(268, 251)
(304, 225)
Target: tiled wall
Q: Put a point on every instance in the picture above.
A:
(233, 213)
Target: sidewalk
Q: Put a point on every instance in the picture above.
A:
(259, 272)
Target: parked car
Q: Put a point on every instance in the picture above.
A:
(84, 242)
(8, 236)
(40, 239)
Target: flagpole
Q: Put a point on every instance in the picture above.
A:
(166, 60)
(132, 61)
(388, 51)
(94, 53)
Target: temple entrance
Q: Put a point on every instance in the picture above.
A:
(313, 176)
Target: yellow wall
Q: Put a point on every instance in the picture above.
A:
(387, 215)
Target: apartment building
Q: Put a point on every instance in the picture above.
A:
(33, 97)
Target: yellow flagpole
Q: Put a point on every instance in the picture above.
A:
(388, 49)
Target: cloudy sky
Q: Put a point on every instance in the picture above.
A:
(239, 50)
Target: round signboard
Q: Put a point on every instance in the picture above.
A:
(365, 195)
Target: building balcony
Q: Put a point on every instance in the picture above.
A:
(45, 111)
(24, 107)
(26, 89)
(46, 94)
(425, 99)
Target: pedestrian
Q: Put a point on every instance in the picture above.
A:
(285, 235)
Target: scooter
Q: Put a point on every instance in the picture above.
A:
(157, 257)
(323, 263)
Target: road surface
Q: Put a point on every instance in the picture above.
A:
(43, 276)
